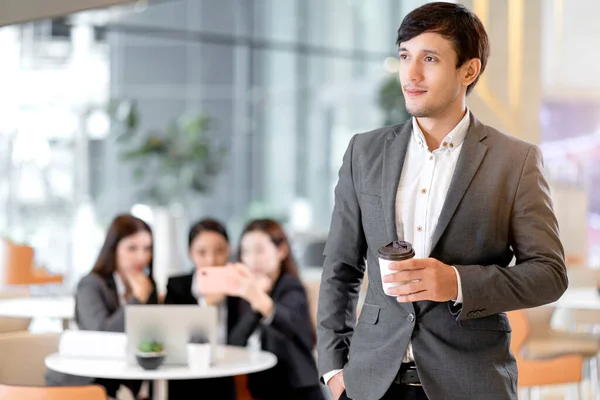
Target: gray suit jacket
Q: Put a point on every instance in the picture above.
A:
(97, 308)
(498, 204)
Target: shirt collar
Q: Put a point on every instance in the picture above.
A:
(452, 140)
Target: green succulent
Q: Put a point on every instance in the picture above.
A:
(148, 346)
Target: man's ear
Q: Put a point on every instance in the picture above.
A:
(470, 71)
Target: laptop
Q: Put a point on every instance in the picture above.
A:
(174, 326)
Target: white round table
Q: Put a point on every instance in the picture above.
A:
(60, 307)
(229, 361)
(582, 298)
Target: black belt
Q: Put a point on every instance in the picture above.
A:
(408, 375)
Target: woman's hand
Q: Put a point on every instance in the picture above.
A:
(141, 286)
(254, 289)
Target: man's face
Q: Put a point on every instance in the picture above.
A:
(431, 83)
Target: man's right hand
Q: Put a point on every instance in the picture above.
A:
(336, 385)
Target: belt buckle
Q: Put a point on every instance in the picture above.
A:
(414, 368)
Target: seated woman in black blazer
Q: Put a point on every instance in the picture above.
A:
(274, 314)
(208, 246)
(121, 275)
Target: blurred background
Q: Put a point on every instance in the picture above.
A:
(236, 109)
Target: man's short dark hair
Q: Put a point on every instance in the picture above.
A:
(453, 21)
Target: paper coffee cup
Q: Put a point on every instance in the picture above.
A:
(390, 253)
(199, 356)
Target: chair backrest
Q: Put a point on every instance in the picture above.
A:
(8, 324)
(91, 392)
(312, 292)
(313, 254)
(532, 324)
(15, 263)
(16, 266)
(583, 277)
(520, 330)
(22, 357)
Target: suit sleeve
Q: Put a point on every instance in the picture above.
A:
(539, 275)
(288, 320)
(92, 313)
(343, 271)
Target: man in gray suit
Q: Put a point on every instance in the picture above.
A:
(468, 198)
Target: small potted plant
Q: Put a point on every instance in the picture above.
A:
(150, 354)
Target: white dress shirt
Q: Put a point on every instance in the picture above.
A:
(121, 289)
(421, 194)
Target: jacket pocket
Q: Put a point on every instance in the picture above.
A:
(369, 314)
(497, 322)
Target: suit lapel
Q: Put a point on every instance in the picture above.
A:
(111, 293)
(394, 153)
(467, 165)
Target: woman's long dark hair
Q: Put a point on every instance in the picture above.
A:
(206, 225)
(275, 232)
(121, 227)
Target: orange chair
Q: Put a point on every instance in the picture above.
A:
(547, 357)
(91, 392)
(241, 387)
(16, 266)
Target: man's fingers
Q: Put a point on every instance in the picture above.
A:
(406, 289)
(412, 264)
(420, 296)
(403, 276)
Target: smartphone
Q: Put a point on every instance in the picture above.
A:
(218, 280)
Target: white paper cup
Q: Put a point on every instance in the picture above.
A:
(390, 253)
(199, 356)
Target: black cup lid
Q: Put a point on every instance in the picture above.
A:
(396, 251)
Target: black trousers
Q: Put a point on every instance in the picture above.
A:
(205, 389)
(307, 393)
(399, 392)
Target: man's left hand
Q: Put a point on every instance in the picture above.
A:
(422, 279)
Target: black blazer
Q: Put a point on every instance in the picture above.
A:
(290, 336)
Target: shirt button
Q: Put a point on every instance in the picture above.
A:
(423, 190)
(445, 144)
(411, 318)
(430, 158)
(419, 228)
(451, 144)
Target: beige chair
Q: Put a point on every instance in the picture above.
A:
(583, 277)
(22, 357)
(91, 392)
(8, 324)
(312, 291)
